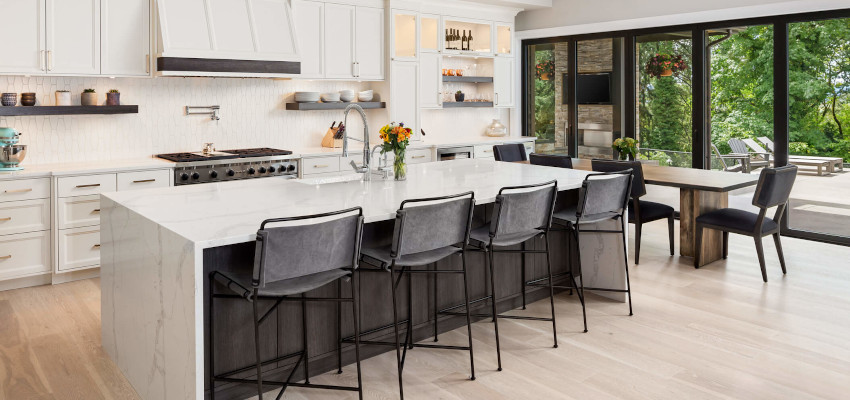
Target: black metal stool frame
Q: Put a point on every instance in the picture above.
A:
(395, 278)
(251, 294)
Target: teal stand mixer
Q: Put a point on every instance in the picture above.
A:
(11, 153)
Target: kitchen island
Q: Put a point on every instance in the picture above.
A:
(158, 246)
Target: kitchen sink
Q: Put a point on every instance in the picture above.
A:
(330, 179)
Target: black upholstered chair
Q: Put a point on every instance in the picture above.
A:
(511, 152)
(289, 261)
(640, 211)
(774, 188)
(602, 197)
(426, 231)
(520, 213)
(551, 160)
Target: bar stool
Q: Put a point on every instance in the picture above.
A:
(512, 152)
(602, 197)
(520, 213)
(430, 230)
(551, 160)
(292, 260)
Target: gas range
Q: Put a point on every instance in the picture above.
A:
(227, 165)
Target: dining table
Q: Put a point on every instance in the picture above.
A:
(700, 191)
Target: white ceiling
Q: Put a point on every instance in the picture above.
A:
(523, 4)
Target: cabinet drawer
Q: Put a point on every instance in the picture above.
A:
(25, 189)
(484, 150)
(419, 156)
(24, 254)
(75, 212)
(143, 179)
(85, 185)
(319, 165)
(24, 216)
(79, 248)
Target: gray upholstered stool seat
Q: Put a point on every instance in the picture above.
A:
(240, 283)
(383, 255)
(480, 237)
(569, 215)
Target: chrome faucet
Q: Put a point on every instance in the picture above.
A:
(384, 169)
(365, 169)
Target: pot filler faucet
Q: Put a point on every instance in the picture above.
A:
(365, 169)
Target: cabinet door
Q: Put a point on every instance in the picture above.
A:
(125, 37)
(503, 81)
(73, 37)
(23, 52)
(309, 24)
(430, 80)
(430, 34)
(369, 43)
(404, 94)
(504, 39)
(339, 48)
(404, 35)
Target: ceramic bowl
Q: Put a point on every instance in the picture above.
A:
(366, 95)
(330, 97)
(306, 97)
(9, 99)
(346, 95)
(28, 99)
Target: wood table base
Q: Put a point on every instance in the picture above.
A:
(694, 203)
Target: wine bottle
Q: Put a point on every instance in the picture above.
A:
(463, 43)
(448, 42)
(469, 40)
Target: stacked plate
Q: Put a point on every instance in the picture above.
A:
(306, 97)
(346, 95)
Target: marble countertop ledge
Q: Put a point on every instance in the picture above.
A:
(218, 214)
(90, 167)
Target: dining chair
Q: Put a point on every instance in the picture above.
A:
(773, 190)
(289, 262)
(426, 231)
(640, 211)
(511, 152)
(551, 160)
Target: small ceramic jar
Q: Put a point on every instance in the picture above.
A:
(28, 99)
(9, 99)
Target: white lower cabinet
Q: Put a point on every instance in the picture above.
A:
(75, 212)
(484, 151)
(419, 156)
(24, 216)
(143, 180)
(24, 254)
(79, 248)
(320, 165)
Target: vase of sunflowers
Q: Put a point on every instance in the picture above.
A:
(395, 138)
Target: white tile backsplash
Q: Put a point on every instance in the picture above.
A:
(253, 114)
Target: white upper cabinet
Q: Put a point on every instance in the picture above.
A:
(503, 39)
(430, 80)
(503, 82)
(228, 29)
(369, 43)
(125, 37)
(404, 35)
(23, 53)
(339, 43)
(430, 34)
(73, 37)
(404, 94)
(309, 24)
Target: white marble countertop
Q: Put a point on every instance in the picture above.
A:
(355, 148)
(218, 214)
(91, 167)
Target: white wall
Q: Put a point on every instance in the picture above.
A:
(585, 16)
(252, 115)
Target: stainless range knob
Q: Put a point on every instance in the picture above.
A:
(195, 175)
(184, 177)
(231, 172)
(271, 170)
(262, 170)
(251, 171)
(291, 168)
(213, 174)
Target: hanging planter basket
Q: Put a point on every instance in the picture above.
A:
(665, 65)
(546, 76)
(545, 70)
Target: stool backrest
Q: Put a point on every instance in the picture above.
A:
(441, 222)
(551, 160)
(638, 183)
(324, 243)
(510, 152)
(774, 187)
(603, 193)
(523, 208)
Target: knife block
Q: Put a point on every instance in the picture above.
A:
(329, 141)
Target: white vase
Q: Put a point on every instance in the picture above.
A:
(63, 98)
(497, 129)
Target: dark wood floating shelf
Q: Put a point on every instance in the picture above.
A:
(334, 106)
(67, 110)
(455, 104)
(468, 79)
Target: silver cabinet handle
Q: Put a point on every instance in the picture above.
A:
(6, 257)
(145, 181)
(42, 57)
(497, 99)
(18, 190)
(88, 186)
(5, 219)
(50, 60)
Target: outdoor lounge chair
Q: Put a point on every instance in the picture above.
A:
(832, 162)
(740, 164)
(757, 160)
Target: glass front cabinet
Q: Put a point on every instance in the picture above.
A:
(503, 39)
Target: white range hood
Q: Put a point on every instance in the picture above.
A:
(236, 38)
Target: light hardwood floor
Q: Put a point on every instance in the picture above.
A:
(717, 332)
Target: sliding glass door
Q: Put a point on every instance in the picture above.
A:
(598, 96)
(819, 127)
(547, 68)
